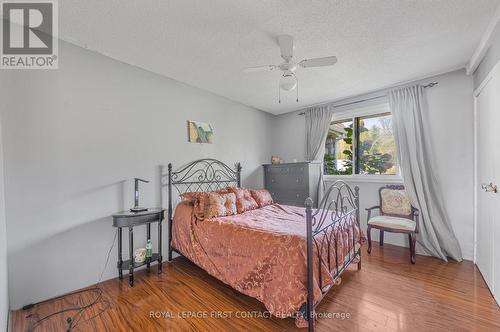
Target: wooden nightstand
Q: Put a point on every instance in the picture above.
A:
(129, 220)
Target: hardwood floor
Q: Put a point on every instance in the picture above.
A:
(388, 294)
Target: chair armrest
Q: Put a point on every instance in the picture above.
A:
(369, 215)
(416, 213)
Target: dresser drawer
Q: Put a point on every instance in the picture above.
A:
(282, 196)
(278, 170)
(286, 170)
(298, 170)
(289, 182)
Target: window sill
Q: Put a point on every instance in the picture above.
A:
(365, 178)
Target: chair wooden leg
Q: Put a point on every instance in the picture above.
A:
(381, 237)
(413, 240)
(410, 243)
(369, 235)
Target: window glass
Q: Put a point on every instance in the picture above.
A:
(338, 148)
(376, 151)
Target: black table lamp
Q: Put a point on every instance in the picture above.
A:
(136, 207)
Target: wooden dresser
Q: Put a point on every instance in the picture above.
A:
(292, 183)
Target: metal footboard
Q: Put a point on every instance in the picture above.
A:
(332, 227)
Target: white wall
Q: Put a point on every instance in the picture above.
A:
(289, 136)
(489, 60)
(72, 136)
(4, 291)
(451, 115)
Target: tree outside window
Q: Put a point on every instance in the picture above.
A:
(373, 139)
(338, 149)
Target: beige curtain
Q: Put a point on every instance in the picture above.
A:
(317, 123)
(411, 133)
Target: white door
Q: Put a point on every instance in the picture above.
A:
(487, 177)
(484, 246)
(494, 197)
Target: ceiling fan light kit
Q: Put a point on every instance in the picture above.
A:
(288, 80)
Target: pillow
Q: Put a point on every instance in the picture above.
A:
(244, 200)
(395, 201)
(192, 195)
(198, 199)
(262, 197)
(220, 205)
(224, 190)
(211, 204)
(230, 203)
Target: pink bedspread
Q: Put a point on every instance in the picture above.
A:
(261, 253)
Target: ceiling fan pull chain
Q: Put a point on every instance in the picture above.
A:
(279, 94)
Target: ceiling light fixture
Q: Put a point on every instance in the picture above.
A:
(288, 82)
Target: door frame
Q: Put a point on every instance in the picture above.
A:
(475, 181)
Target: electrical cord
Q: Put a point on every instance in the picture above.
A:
(75, 319)
(71, 322)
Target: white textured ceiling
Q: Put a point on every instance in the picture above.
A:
(207, 43)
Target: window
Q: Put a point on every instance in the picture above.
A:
(338, 148)
(361, 145)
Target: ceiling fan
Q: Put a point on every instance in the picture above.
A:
(288, 80)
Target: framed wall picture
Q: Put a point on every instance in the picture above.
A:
(200, 132)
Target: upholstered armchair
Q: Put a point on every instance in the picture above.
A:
(397, 215)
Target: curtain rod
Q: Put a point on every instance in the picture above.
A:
(430, 85)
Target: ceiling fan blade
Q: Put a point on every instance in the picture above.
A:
(318, 62)
(286, 46)
(260, 68)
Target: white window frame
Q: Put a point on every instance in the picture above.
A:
(352, 114)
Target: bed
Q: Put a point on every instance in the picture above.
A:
(286, 257)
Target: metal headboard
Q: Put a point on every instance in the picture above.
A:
(199, 175)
